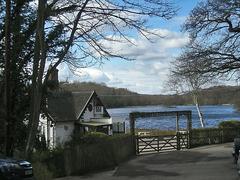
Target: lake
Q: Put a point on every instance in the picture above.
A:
(213, 115)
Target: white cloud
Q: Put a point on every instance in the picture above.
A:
(149, 70)
(92, 74)
(143, 49)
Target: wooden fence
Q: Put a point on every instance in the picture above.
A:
(195, 137)
(161, 143)
(83, 158)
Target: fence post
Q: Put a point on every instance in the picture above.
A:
(189, 137)
(136, 144)
(220, 136)
(178, 141)
(132, 124)
(177, 122)
(132, 131)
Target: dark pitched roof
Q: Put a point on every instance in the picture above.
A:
(67, 106)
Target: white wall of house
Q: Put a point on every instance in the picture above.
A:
(48, 131)
(63, 131)
(58, 134)
(88, 114)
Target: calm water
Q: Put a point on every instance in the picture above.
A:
(212, 115)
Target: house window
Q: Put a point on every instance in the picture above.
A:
(98, 108)
(65, 128)
(90, 108)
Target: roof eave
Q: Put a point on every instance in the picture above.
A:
(85, 106)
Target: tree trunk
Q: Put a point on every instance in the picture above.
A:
(200, 115)
(38, 70)
(39, 87)
(8, 125)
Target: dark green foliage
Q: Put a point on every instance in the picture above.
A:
(50, 160)
(41, 144)
(92, 138)
(88, 138)
(41, 171)
(94, 155)
(229, 124)
(23, 29)
(21, 48)
(206, 136)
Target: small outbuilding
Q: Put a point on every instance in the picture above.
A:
(73, 112)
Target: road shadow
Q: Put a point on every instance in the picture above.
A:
(142, 165)
(179, 157)
(134, 171)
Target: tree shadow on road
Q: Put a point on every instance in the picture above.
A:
(150, 165)
(141, 170)
(179, 157)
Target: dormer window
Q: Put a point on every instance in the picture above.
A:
(98, 108)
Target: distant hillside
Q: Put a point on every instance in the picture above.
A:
(100, 88)
(220, 95)
(119, 97)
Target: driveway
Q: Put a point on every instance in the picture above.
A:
(213, 162)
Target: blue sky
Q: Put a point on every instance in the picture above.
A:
(148, 73)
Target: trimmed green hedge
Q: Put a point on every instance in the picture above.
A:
(92, 152)
(229, 124)
(199, 137)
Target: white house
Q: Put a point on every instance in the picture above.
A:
(68, 112)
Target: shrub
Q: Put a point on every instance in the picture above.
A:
(229, 124)
(88, 138)
(92, 151)
(50, 160)
(41, 171)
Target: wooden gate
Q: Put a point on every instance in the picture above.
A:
(163, 143)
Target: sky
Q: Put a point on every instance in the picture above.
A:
(148, 73)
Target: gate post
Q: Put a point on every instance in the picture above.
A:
(132, 124)
(177, 122)
(136, 145)
(189, 129)
(178, 141)
(189, 139)
(132, 132)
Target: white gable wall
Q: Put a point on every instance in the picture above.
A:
(87, 115)
(97, 112)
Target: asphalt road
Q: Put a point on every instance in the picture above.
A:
(212, 162)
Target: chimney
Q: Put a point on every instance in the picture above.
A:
(53, 78)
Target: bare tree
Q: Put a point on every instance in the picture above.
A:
(82, 27)
(214, 28)
(184, 79)
(38, 70)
